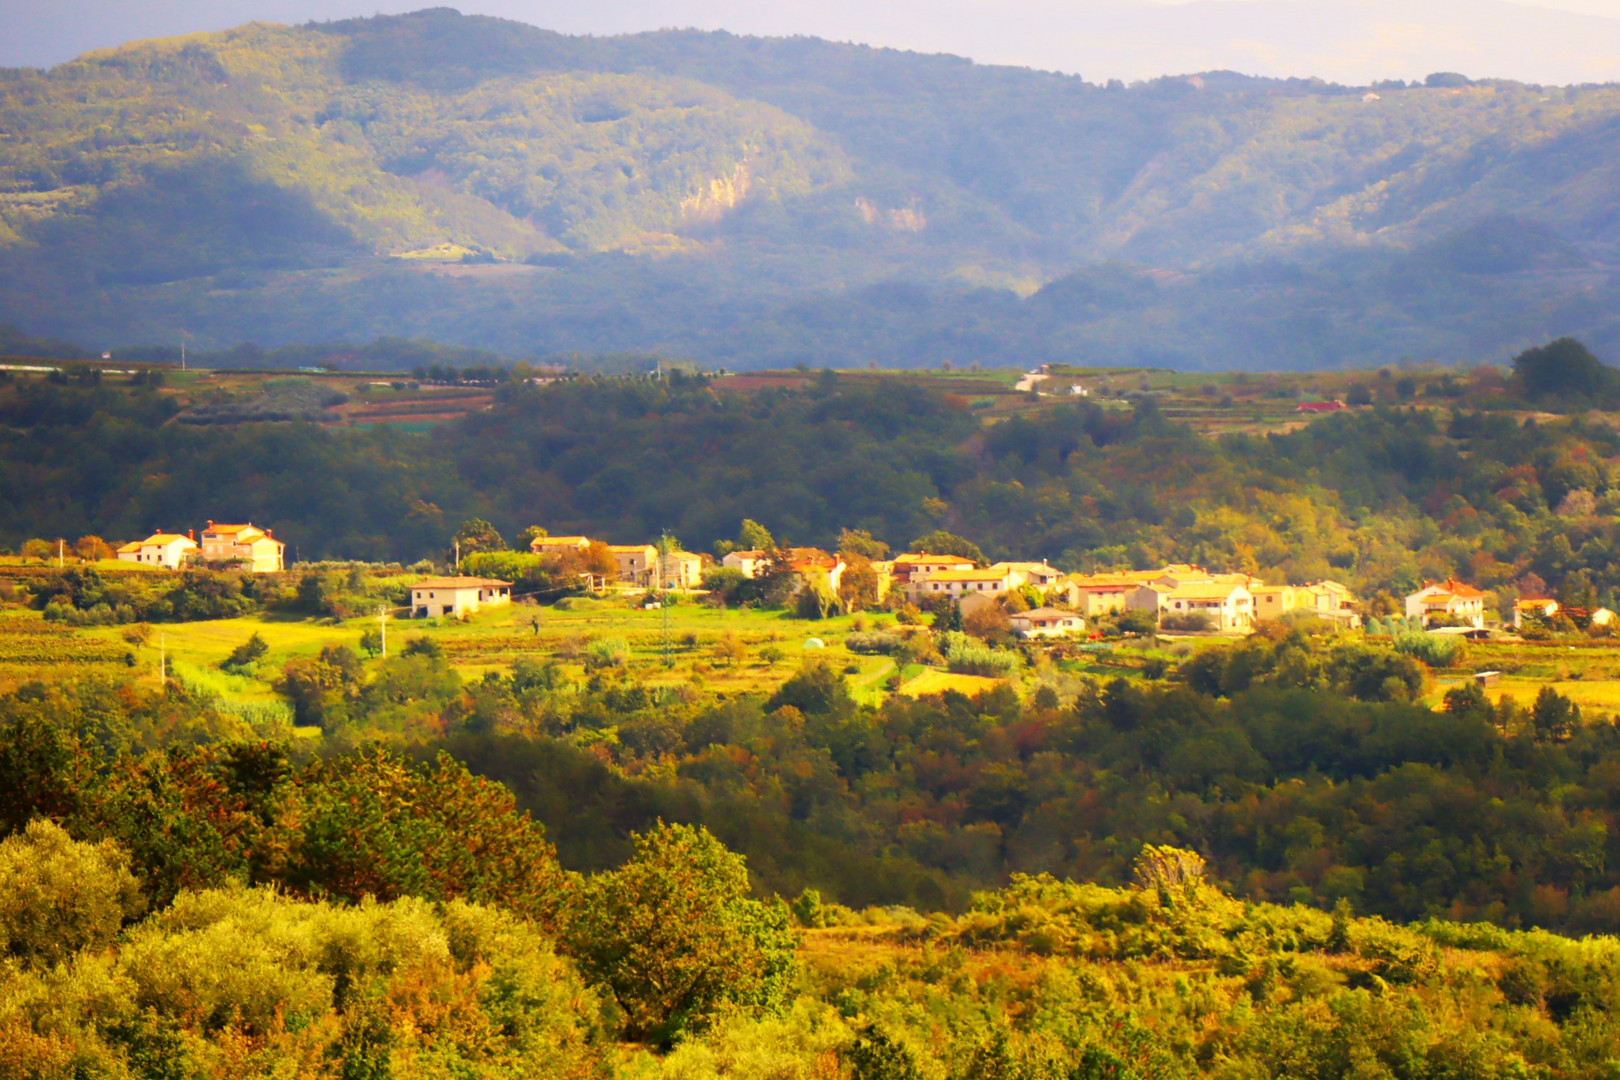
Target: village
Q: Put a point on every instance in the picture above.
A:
(1041, 601)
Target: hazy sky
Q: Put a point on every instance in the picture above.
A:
(1549, 41)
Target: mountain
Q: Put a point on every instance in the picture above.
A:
(749, 201)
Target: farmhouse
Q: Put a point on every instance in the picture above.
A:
(457, 595)
(159, 549)
(257, 550)
(558, 545)
(680, 570)
(956, 584)
(915, 567)
(1448, 599)
(635, 562)
(1046, 622)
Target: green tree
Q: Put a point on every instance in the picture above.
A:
(476, 534)
(529, 536)
(860, 542)
(755, 537)
(677, 938)
(1553, 716)
(246, 654)
(58, 895)
(1563, 369)
(371, 640)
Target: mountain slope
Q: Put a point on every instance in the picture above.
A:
(748, 201)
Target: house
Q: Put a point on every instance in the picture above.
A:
(914, 567)
(457, 595)
(1038, 574)
(635, 563)
(679, 570)
(1450, 598)
(1098, 594)
(1229, 607)
(1324, 599)
(257, 550)
(1046, 622)
(746, 562)
(1321, 406)
(558, 545)
(160, 549)
(1533, 607)
(958, 583)
(1273, 601)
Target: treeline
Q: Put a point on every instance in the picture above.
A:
(1381, 499)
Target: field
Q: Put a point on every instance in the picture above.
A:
(724, 651)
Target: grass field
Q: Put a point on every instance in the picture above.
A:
(726, 651)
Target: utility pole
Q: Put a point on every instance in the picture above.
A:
(59, 545)
(163, 660)
(382, 621)
(457, 542)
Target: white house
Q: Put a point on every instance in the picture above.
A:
(1449, 598)
(745, 562)
(1229, 607)
(160, 549)
(1046, 622)
(457, 595)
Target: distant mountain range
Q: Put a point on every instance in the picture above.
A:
(749, 202)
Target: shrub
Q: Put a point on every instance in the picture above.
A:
(873, 643)
(964, 656)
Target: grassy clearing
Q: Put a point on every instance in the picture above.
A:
(938, 682)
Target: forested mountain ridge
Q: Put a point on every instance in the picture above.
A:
(787, 199)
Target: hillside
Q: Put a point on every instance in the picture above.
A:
(748, 201)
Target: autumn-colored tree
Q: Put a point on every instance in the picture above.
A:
(677, 938)
(92, 548)
(376, 825)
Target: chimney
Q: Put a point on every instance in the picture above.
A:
(191, 534)
(210, 523)
(271, 533)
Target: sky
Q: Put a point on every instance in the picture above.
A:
(1349, 41)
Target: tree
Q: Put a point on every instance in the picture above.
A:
(755, 537)
(940, 542)
(1563, 369)
(246, 654)
(988, 623)
(376, 825)
(92, 549)
(860, 542)
(44, 550)
(528, 536)
(1553, 716)
(676, 937)
(371, 641)
(58, 895)
(476, 535)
